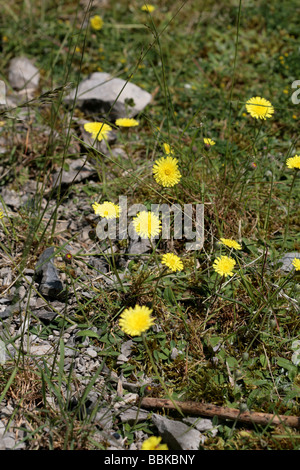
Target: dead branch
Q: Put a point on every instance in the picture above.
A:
(208, 409)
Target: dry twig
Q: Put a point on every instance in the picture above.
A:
(208, 409)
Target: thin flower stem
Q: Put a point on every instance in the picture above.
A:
(156, 285)
(114, 265)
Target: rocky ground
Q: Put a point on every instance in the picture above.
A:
(33, 298)
(40, 293)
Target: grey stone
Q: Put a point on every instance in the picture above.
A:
(23, 74)
(2, 93)
(177, 435)
(139, 247)
(133, 415)
(91, 352)
(104, 418)
(6, 275)
(201, 424)
(102, 94)
(70, 352)
(11, 198)
(79, 170)
(44, 314)
(287, 260)
(119, 152)
(121, 359)
(11, 310)
(9, 442)
(41, 349)
(50, 285)
(131, 387)
(126, 347)
(2, 444)
(100, 264)
(2, 428)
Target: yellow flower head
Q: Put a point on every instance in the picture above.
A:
(172, 261)
(224, 266)
(168, 149)
(209, 141)
(109, 210)
(153, 443)
(147, 224)
(165, 171)
(1, 214)
(137, 320)
(147, 7)
(127, 122)
(98, 130)
(293, 162)
(259, 108)
(96, 22)
(231, 243)
(296, 263)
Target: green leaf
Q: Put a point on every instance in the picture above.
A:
(282, 362)
(232, 362)
(291, 368)
(263, 360)
(89, 333)
(162, 356)
(156, 355)
(169, 295)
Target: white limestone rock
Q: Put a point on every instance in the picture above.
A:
(101, 94)
(23, 74)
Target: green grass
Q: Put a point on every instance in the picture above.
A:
(202, 60)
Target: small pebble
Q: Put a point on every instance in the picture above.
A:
(91, 352)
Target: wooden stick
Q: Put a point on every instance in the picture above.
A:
(208, 409)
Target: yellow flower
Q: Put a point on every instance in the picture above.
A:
(147, 224)
(294, 162)
(109, 210)
(147, 7)
(96, 22)
(126, 122)
(137, 320)
(224, 266)
(98, 130)
(259, 108)
(165, 171)
(153, 443)
(1, 214)
(209, 141)
(172, 261)
(168, 149)
(296, 263)
(231, 243)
